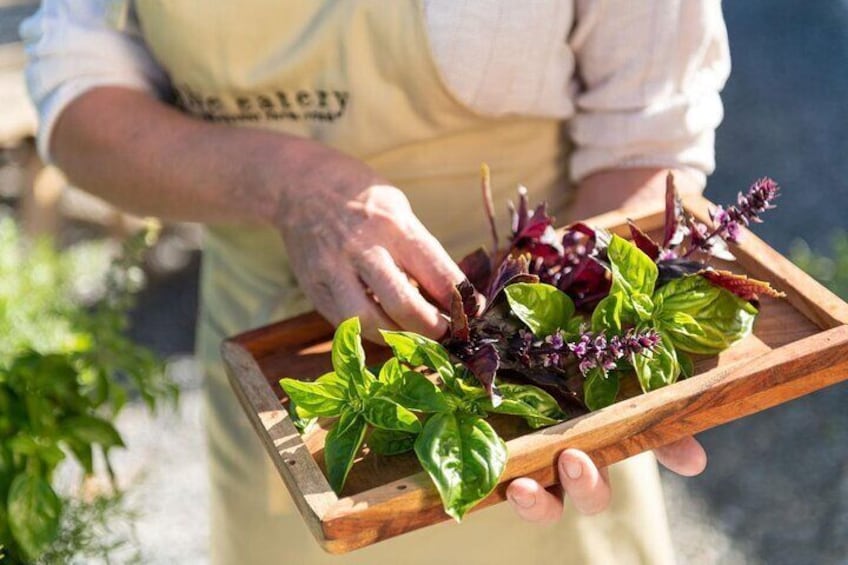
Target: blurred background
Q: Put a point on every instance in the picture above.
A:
(776, 488)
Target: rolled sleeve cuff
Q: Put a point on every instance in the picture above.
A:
(679, 135)
(69, 57)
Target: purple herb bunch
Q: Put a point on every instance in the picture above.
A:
(590, 350)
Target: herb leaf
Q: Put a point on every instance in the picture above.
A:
(390, 442)
(323, 398)
(383, 412)
(416, 350)
(463, 456)
(607, 314)
(632, 270)
(417, 392)
(657, 368)
(700, 317)
(600, 388)
(544, 308)
(349, 357)
(341, 446)
(34, 511)
(537, 407)
(390, 372)
(90, 429)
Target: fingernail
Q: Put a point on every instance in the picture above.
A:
(523, 500)
(572, 469)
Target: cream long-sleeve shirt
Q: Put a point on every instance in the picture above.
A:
(637, 81)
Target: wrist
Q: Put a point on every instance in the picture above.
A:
(612, 189)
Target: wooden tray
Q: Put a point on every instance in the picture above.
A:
(799, 345)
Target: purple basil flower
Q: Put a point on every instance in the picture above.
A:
(729, 221)
(594, 351)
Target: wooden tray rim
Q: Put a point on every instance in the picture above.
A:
(332, 519)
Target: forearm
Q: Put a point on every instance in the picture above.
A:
(626, 188)
(150, 159)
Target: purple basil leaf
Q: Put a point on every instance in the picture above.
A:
(477, 267)
(483, 364)
(740, 285)
(643, 241)
(676, 268)
(513, 269)
(459, 330)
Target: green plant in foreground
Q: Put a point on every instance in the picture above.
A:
(830, 268)
(443, 424)
(66, 370)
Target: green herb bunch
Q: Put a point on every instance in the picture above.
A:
(401, 410)
(66, 370)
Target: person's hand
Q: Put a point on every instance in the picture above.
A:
(354, 244)
(587, 488)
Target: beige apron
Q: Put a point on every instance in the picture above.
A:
(358, 76)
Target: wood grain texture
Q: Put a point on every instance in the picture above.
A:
(799, 345)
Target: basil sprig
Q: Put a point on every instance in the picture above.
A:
(690, 314)
(405, 411)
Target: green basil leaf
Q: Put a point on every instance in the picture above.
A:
(600, 388)
(607, 314)
(416, 350)
(642, 306)
(687, 367)
(390, 372)
(575, 326)
(89, 429)
(34, 511)
(349, 357)
(83, 453)
(325, 397)
(7, 473)
(542, 307)
(382, 412)
(632, 270)
(464, 457)
(341, 446)
(417, 392)
(722, 317)
(657, 368)
(537, 407)
(390, 442)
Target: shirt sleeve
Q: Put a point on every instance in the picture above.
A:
(649, 77)
(76, 45)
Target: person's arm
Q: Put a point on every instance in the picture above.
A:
(340, 222)
(95, 85)
(650, 74)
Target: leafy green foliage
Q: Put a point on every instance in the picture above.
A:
(406, 411)
(600, 388)
(66, 369)
(699, 317)
(465, 458)
(633, 272)
(542, 307)
(95, 530)
(830, 267)
(690, 313)
(341, 446)
(537, 407)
